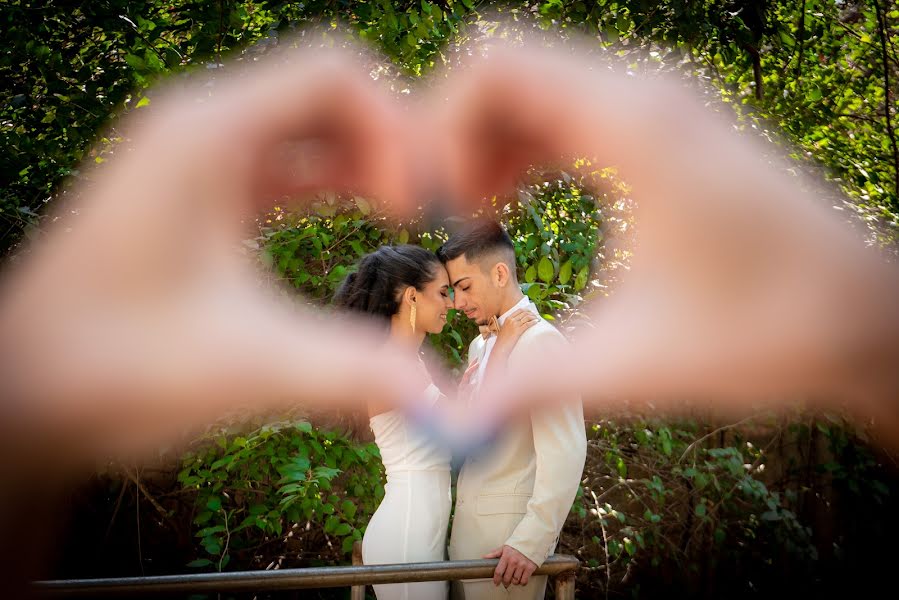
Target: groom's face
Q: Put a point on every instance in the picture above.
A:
(474, 290)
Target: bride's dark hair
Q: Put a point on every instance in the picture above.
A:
(377, 284)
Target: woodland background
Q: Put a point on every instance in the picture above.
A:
(770, 505)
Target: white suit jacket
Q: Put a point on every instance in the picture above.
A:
(520, 491)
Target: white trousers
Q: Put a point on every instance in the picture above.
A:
(410, 525)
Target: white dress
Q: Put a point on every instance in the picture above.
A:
(411, 522)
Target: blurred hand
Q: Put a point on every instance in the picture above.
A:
(143, 318)
(469, 373)
(742, 287)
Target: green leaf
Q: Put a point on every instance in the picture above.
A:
(207, 531)
(144, 101)
(719, 535)
(348, 509)
(701, 480)
(580, 280)
(200, 562)
(530, 274)
(545, 270)
(221, 462)
(363, 204)
(135, 62)
(700, 510)
(565, 272)
(342, 530)
(214, 503)
(331, 524)
(325, 473)
(203, 517)
(786, 38)
(404, 236)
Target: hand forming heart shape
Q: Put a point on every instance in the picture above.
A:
(738, 289)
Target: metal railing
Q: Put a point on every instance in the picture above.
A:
(560, 568)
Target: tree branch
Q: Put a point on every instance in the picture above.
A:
(800, 44)
(881, 26)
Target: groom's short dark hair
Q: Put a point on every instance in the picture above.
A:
(477, 240)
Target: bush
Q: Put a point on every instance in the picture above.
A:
(286, 486)
(724, 512)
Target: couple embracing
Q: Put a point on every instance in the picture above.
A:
(512, 500)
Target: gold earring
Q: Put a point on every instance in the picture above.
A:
(412, 318)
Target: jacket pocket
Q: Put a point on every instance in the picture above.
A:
(500, 504)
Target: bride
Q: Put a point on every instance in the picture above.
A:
(408, 288)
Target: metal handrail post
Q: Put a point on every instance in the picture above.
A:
(564, 583)
(357, 592)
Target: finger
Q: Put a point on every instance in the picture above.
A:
(529, 570)
(496, 129)
(501, 569)
(514, 574)
(218, 366)
(511, 573)
(466, 376)
(300, 120)
(495, 554)
(352, 131)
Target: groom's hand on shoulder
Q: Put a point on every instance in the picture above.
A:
(513, 568)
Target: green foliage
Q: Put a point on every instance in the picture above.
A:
(820, 75)
(668, 497)
(824, 87)
(555, 229)
(284, 482)
(68, 67)
(815, 72)
(315, 251)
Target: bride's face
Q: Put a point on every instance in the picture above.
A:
(432, 303)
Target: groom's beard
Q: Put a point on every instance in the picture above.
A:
(485, 322)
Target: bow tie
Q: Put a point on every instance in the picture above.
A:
(491, 328)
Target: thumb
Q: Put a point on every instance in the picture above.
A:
(495, 554)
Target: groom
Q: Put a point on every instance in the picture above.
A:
(512, 501)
